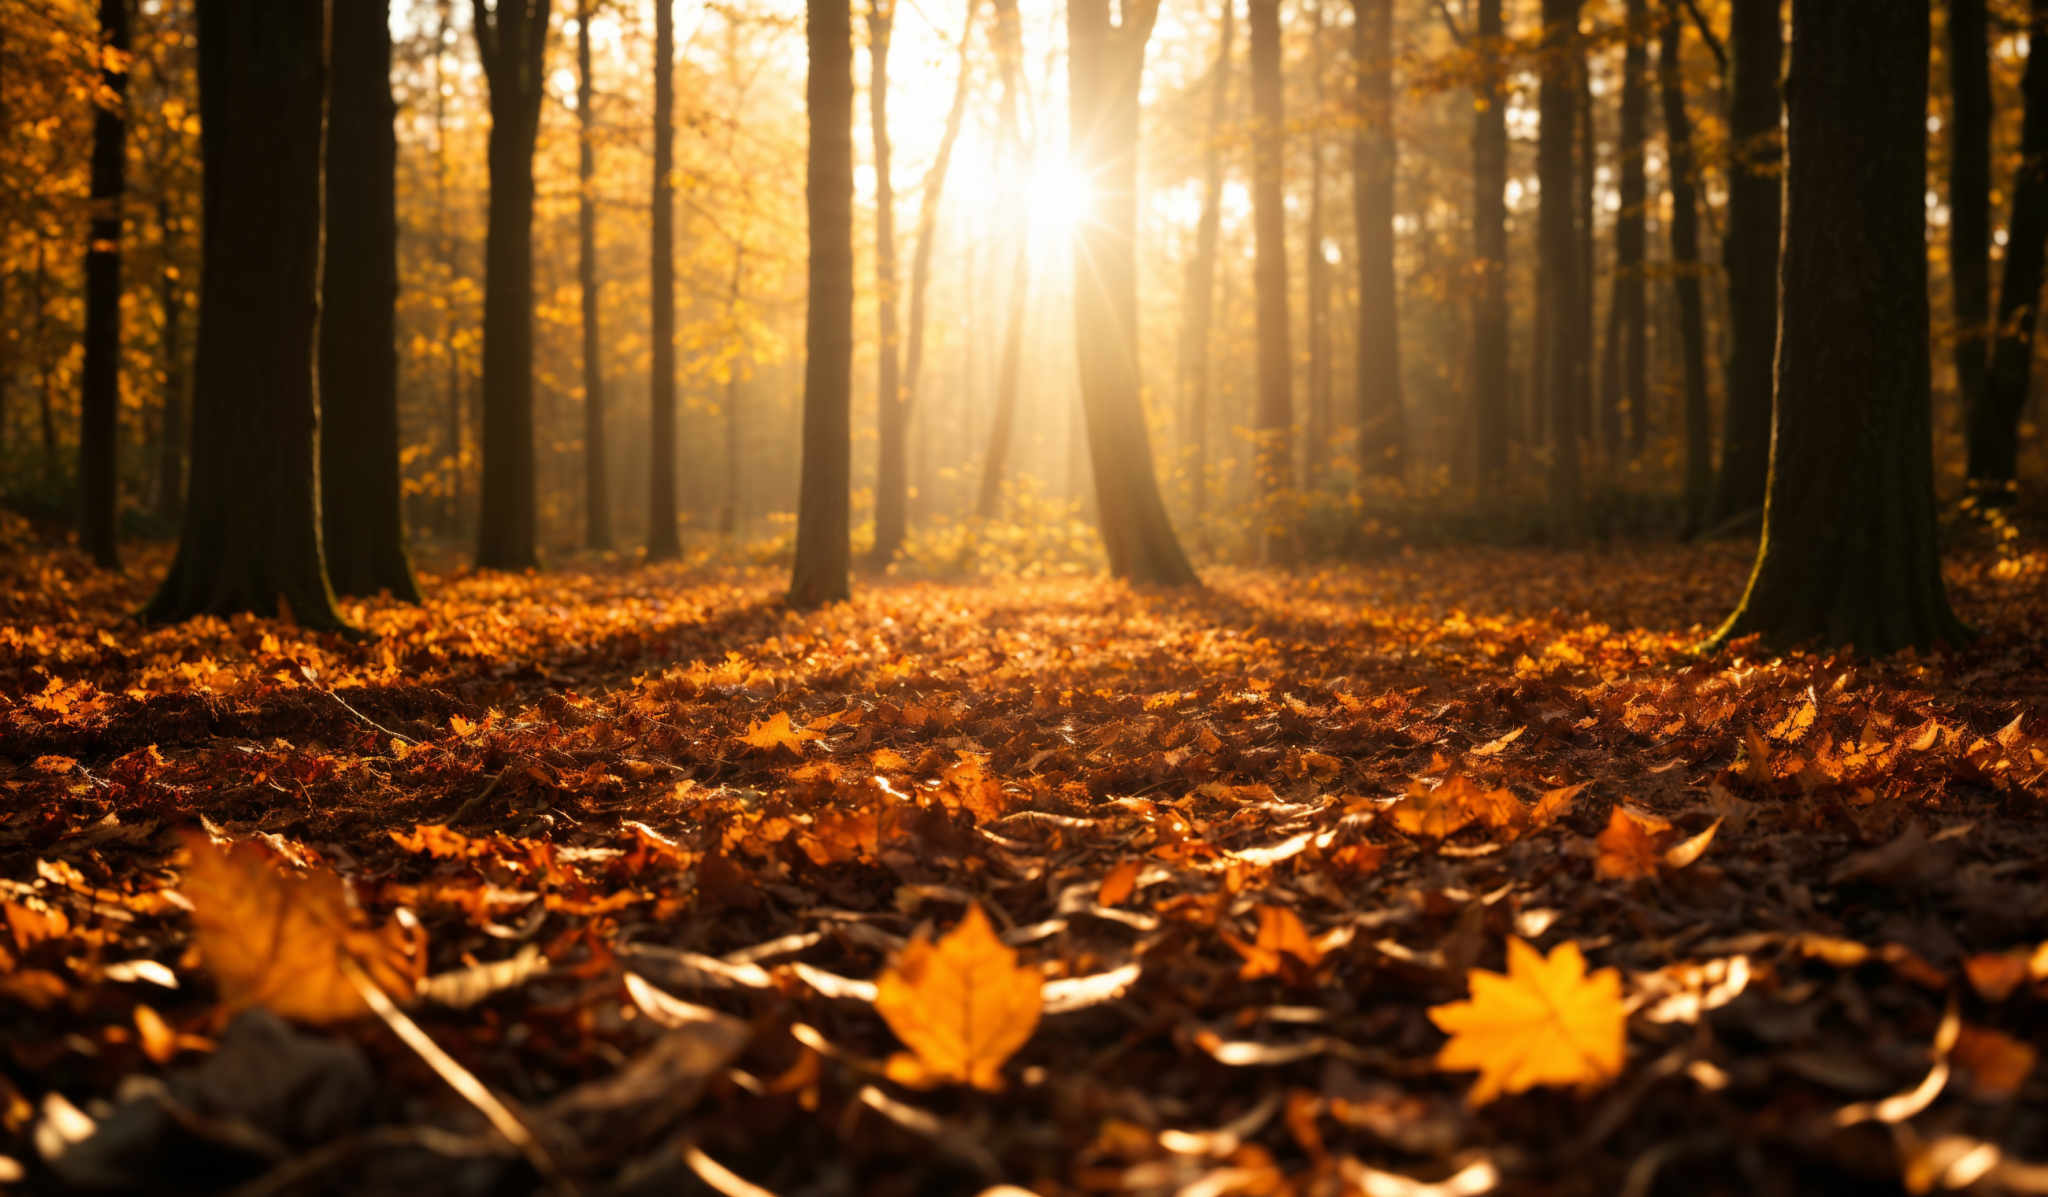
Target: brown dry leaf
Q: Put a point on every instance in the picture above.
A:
(1121, 883)
(1493, 747)
(1543, 1022)
(1995, 975)
(1998, 1064)
(284, 940)
(963, 1005)
(1690, 849)
(777, 732)
(1629, 848)
(1756, 765)
(1435, 814)
(1281, 935)
(1553, 804)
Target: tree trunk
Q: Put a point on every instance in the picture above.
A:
(39, 312)
(664, 543)
(1564, 369)
(1685, 265)
(891, 485)
(251, 537)
(1848, 554)
(1755, 160)
(1316, 455)
(1492, 388)
(1586, 223)
(363, 526)
(1969, 194)
(1201, 297)
(823, 549)
(1009, 59)
(1625, 388)
(1104, 65)
(597, 500)
(170, 461)
(1273, 418)
(512, 45)
(99, 425)
(444, 236)
(1382, 418)
(1994, 426)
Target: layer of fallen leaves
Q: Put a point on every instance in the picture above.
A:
(1458, 871)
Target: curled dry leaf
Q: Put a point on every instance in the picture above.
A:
(1543, 1022)
(963, 1005)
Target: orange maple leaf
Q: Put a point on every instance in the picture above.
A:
(778, 732)
(1281, 935)
(285, 941)
(1630, 847)
(963, 1005)
(1543, 1022)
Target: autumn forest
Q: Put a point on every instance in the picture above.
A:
(1412, 598)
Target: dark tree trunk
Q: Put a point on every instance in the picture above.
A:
(1382, 417)
(1197, 354)
(39, 312)
(597, 498)
(1564, 369)
(1969, 194)
(1685, 265)
(1274, 416)
(251, 537)
(1994, 426)
(1010, 60)
(1849, 554)
(170, 448)
(1104, 65)
(1625, 388)
(99, 426)
(361, 517)
(1491, 386)
(1320, 418)
(664, 542)
(452, 421)
(511, 38)
(1585, 222)
(891, 485)
(823, 550)
(1755, 160)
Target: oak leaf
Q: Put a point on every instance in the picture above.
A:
(285, 941)
(1543, 1022)
(962, 1004)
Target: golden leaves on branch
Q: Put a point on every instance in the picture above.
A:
(1543, 1022)
(963, 1005)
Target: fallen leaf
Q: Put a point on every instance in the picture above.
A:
(777, 732)
(1629, 848)
(1543, 1022)
(1121, 883)
(1998, 1064)
(963, 1005)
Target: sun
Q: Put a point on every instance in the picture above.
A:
(1060, 196)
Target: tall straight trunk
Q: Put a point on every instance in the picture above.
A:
(1316, 454)
(170, 447)
(823, 548)
(1201, 298)
(1009, 43)
(1848, 555)
(1624, 389)
(511, 42)
(1685, 265)
(444, 235)
(1755, 162)
(890, 467)
(1382, 416)
(1105, 63)
(99, 425)
(1994, 426)
(1969, 193)
(362, 520)
(663, 540)
(892, 487)
(597, 500)
(1273, 418)
(251, 536)
(39, 315)
(1564, 374)
(1584, 341)
(1491, 386)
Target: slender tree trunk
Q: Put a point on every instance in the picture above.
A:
(170, 462)
(1994, 425)
(99, 427)
(1105, 63)
(1755, 162)
(1969, 193)
(1584, 343)
(1492, 388)
(39, 314)
(1201, 297)
(1382, 417)
(1274, 416)
(823, 548)
(891, 469)
(452, 423)
(1557, 243)
(1009, 58)
(664, 543)
(1686, 266)
(512, 45)
(363, 525)
(597, 500)
(251, 537)
(1625, 385)
(1316, 456)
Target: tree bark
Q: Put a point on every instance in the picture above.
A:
(1585, 223)
(823, 548)
(99, 427)
(1969, 194)
(1382, 417)
(1994, 426)
(664, 543)
(512, 45)
(170, 461)
(890, 468)
(1686, 266)
(1564, 372)
(1105, 63)
(1009, 59)
(363, 527)
(1320, 418)
(1197, 355)
(1273, 418)
(1755, 160)
(1493, 401)
(1848, 554)
(1625, 388)
(597, 501)
(251, 535)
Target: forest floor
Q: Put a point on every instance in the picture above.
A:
(652, 839)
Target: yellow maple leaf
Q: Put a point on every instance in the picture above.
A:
(778, 732)
(285, 941)
(963, 1005)
(1437, 813)
(1543, 1022)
